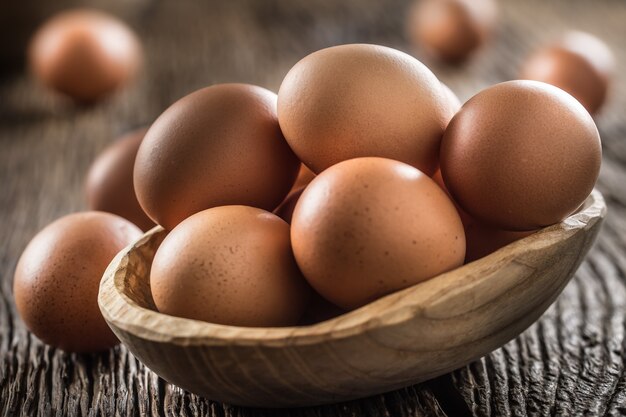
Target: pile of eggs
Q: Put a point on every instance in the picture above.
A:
(361, 177)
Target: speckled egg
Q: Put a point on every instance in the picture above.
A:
(58, 275)
(230, 265)
(367, 227)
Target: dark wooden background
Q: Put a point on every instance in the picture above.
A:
(571, 362)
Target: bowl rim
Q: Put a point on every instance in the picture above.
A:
(121, 311)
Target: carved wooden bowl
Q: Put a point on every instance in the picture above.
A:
(406, 337)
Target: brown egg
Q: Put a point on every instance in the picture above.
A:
(480, 239)
(367, 227)
(85, 54)
(521, 155)
(451, 30)
(359, 100)
(220, 145)
(578, 63)
(58, 275)
(230, 265)
(109, 184)
(285, 209)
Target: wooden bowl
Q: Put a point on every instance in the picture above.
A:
(406, 337)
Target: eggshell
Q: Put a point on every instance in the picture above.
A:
(480, 239)
(358, 100)
(109, 183)
(57, 278)
(230, 265)
(369, 226)
(85, 54)
(451, 30)
(578, 63)
(521, 155)
(220, 145)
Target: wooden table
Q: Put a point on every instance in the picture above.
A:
(570, 362)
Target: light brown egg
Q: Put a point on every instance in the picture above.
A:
(58, 275)
(451, 30)
(230, 265)
(220, 145)
(109, 183)
(521, 155)
(367, 227)
(578, 63)
(285, 209)
(85, 54)
(359, 100)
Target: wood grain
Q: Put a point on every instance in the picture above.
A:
(570, 363)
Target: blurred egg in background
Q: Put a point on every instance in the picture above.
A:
(577, 62)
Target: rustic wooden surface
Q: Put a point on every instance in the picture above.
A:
(570, 362)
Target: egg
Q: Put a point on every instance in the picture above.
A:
(109, 184)
(451, 30)
(220, 145)
(285, 209)
(58, 275)
(521, 155)
(370, 226)
(359, 100)
(230, 265)
(578, 63)
(480, 239)
(85, 54)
